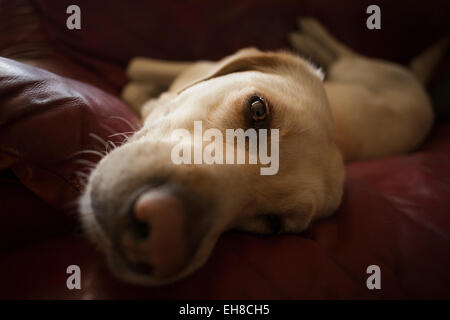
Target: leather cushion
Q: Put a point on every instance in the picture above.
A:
(51, 126)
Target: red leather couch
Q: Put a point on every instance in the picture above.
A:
(58, 92)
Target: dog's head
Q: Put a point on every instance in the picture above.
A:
(157, 205)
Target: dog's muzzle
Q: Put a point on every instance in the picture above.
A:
(161, 232)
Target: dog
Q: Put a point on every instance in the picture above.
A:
(158, 222)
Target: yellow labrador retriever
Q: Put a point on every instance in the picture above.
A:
(157, 221)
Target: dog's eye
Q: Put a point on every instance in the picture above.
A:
(258, 108)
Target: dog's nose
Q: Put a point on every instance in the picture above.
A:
(154, 239)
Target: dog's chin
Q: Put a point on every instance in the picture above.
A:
(121, 270)
(125, 273)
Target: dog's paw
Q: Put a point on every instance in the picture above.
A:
(310, 26)
(310, 49)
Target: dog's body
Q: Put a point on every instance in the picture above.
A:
(365, 109)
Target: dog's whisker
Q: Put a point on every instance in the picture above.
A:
(108, 128)
(82, 174)
(95, 152)
(125, 121)
(99, 139)
(124, 139)
(126, 134)
(88, 163)
(112, 144)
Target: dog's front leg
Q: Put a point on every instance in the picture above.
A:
(314, 42)
(148, 79)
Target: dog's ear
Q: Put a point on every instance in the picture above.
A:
(250, 59)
